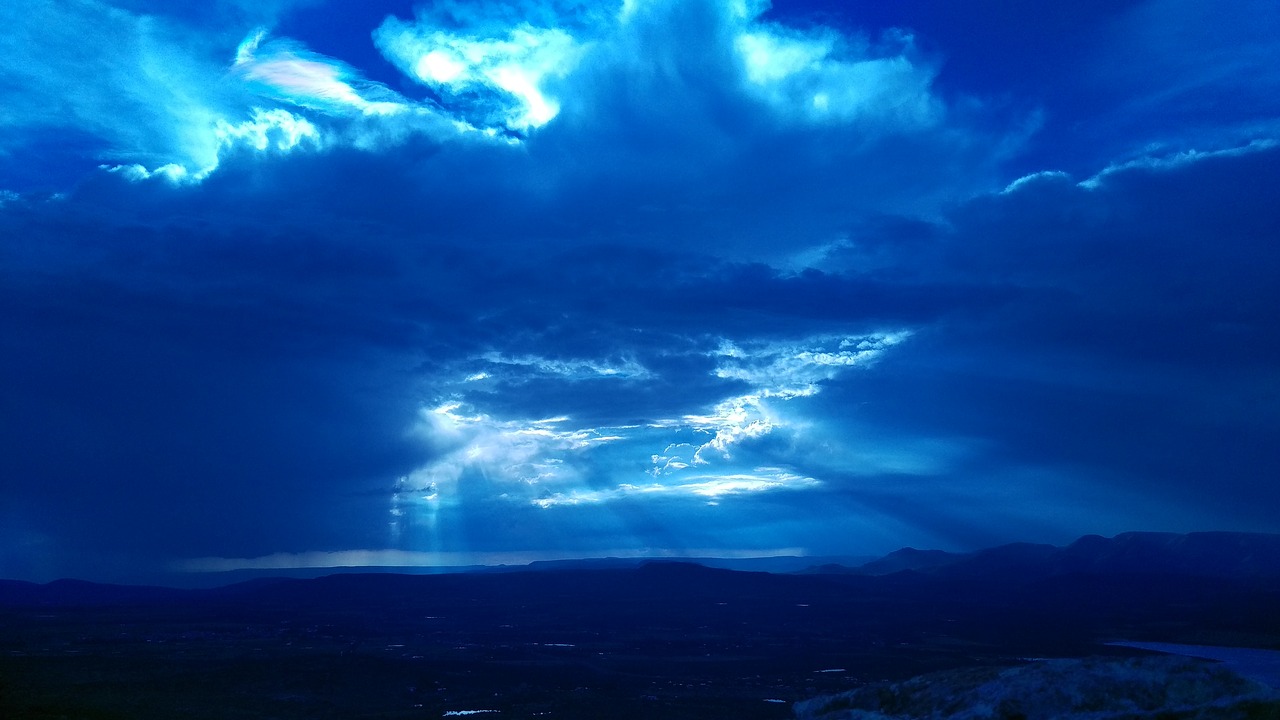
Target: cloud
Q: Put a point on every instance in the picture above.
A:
(710, 487)
(277, 131)
(1172, 160)
(785, 370)
(569, 369)
(528, 452)
(815, 77)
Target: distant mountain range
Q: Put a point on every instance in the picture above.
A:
(1201, 554)
(1247, 558)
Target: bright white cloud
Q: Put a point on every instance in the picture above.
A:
(266, 131)
(730, 422)
(508, 73)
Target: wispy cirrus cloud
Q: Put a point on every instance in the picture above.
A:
(780, 369)
(295, 74)
(140, 89)
(566, 368)
(708, 488)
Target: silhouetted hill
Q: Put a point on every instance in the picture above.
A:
(908, 559)
(775, 564)
(67, 592)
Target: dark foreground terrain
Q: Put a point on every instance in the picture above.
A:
(664, 640)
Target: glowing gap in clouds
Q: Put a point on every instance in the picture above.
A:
(552, 463)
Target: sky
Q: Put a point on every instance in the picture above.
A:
(296, 283)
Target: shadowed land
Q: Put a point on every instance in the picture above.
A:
(671, 640)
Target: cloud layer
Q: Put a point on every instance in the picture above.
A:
(568, 278)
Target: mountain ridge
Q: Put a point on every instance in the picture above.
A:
(1212, 554)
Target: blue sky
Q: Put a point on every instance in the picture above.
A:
(303, 283)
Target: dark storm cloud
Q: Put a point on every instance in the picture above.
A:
(1141, 354)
